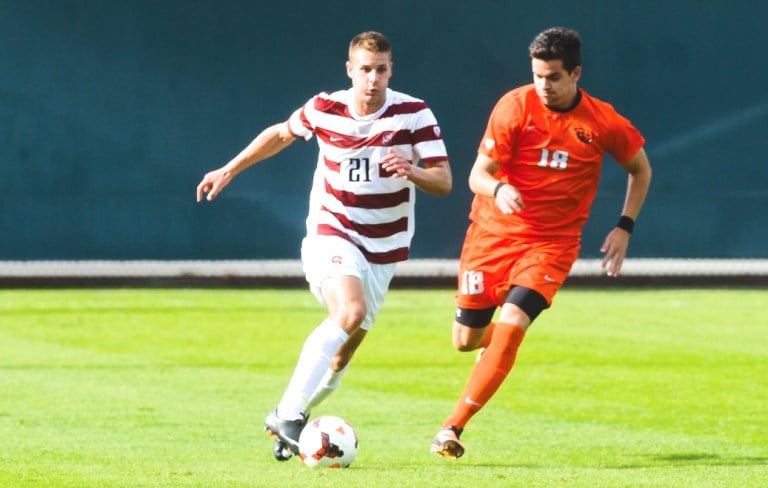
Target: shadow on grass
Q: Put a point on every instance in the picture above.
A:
(694, 459)
(688, 458)
(669, 460)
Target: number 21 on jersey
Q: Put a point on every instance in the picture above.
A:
(359, 169)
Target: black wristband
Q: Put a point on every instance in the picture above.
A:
(626, 223)
(498, 187)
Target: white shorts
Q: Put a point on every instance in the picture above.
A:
(324, 257)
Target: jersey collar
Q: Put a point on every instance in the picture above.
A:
(573, 105)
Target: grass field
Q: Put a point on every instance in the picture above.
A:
(156, 388)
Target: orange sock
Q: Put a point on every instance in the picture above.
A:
(488, 373)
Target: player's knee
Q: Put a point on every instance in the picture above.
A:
(469, 327)
(464, 347)
(351, 316)
(466, 339)
(466, 344)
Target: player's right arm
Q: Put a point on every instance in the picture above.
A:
(615, 246)
(269, 142)
(482, 181)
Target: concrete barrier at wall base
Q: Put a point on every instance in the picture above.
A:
(415, 273)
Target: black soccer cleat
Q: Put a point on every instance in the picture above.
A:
(287, 433)
(281, 451)
(447, 444)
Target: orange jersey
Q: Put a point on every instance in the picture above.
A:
(553, 159)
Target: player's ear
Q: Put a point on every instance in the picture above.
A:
(576, 73)
(349, 69)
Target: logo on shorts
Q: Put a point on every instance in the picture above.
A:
(336, 260)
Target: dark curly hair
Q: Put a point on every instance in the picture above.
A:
(557, 43)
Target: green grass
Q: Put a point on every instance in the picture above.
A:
(157, 388)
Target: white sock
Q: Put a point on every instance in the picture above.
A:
(331, 380)
(314, 361)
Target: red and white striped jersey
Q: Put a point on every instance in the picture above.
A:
(352, 196)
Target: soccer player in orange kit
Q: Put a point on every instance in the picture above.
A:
(534, 179)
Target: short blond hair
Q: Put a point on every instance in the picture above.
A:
(373, 41)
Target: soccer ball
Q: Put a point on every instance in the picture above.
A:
(328, 442)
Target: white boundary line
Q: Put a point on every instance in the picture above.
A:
(429, 268)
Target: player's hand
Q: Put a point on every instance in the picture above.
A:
(212, 184)
(509, 200)
(397, 165)
(614, 249)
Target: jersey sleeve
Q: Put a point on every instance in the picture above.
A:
(300, 122)
(501, 132)
(427, 138)
(625, 140)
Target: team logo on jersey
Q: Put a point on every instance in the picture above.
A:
(336, 260)
(585, 135)
(386, 137)
(436, 128)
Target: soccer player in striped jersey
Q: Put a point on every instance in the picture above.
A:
(534, 179)
(376, 147)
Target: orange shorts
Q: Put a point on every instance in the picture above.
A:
(490, 265)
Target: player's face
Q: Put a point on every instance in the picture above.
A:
(370, 73)
(555, 87)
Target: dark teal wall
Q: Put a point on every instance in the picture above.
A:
(110, 113)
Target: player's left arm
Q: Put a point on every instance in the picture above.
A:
(434, 178)
(615, 246)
